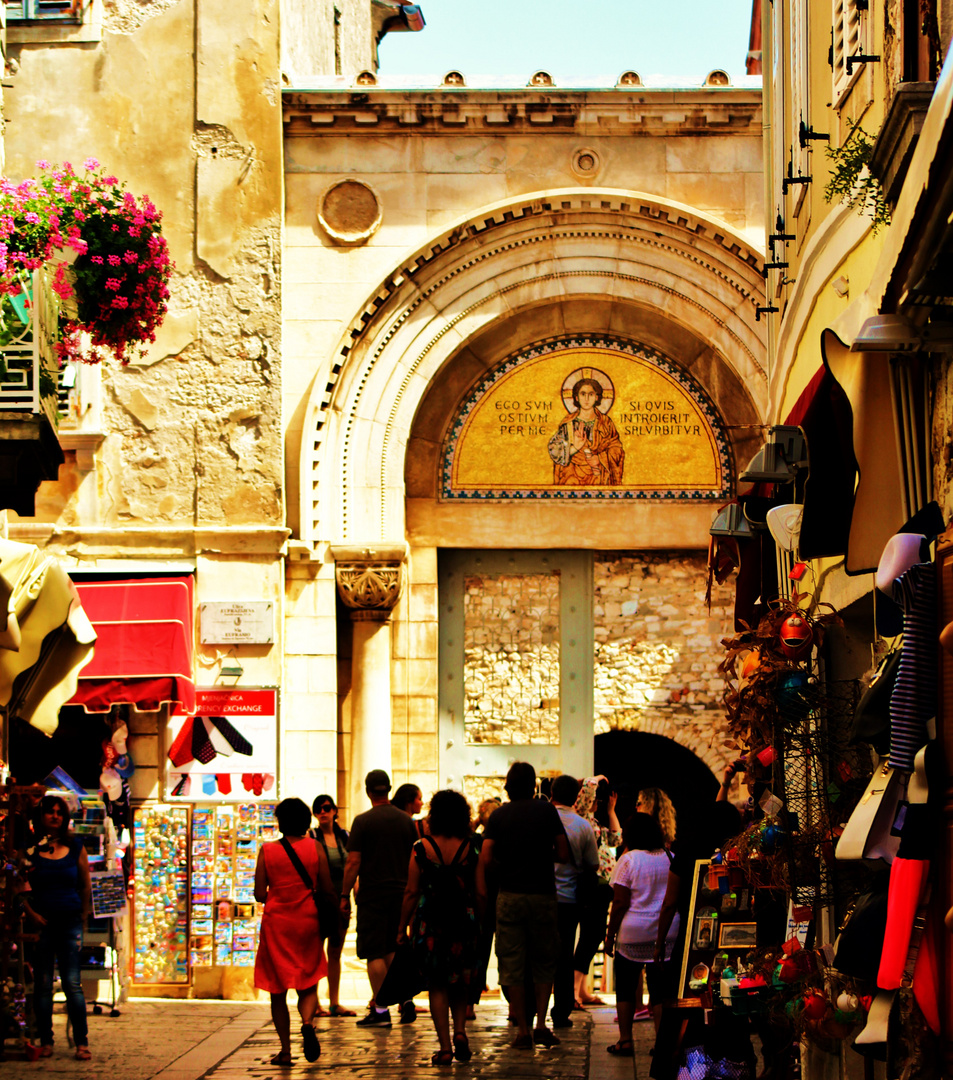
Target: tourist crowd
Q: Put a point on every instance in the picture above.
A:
(542, 874)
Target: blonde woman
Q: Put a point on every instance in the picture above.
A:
(596, 803)
(654, 801)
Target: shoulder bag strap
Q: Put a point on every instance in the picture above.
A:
(299, 866)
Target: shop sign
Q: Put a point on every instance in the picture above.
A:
(250, 622)
(227, 751)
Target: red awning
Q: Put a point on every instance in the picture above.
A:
(144, 646)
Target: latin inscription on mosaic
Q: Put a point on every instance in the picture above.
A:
(591, 417)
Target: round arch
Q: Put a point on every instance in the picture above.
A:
(550, 248)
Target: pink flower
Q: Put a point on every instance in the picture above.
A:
(113, 283)
(114, 260)
(98, 259)
(33, 218)
(42, 164)
(120, 302)
(91, 163)
(130, 257)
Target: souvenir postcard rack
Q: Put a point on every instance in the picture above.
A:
(195, 888)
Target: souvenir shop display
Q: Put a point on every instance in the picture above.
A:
(225, 919)
(843, 822)
(161, 897)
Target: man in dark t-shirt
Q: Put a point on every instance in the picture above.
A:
(378, 856)
(522, 839)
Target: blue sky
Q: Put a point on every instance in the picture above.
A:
(573, 37)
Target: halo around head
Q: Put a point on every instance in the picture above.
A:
(608, 390)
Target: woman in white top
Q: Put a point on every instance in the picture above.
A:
(644, 894)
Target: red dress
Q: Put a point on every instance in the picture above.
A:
(290, 953)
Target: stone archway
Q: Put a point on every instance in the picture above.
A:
(545, 250)
(633, 760)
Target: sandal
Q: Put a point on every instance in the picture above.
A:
(461, 1048)
(523, 1042)
(46, 1050)
(442, 1057)
(622, 1048)
(592, 1001)
(340, 1010)
(83, 1054)
(283, 1058)
(312, 1048)
(321, 1011)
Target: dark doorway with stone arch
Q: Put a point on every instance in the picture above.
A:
(634, 760)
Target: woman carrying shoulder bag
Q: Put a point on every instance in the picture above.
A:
(290, 952)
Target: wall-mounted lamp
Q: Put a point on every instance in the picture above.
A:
(894, 333)
(781, 456)
(730, 521)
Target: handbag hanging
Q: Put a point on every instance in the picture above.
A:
(858, 947)
(871, 723)
(329, 918)
(868, 832)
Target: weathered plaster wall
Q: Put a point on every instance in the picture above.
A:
(183, 461)
(192, 434)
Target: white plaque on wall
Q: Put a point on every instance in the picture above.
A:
(250, 622)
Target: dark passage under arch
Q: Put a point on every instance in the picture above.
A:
(633, 760)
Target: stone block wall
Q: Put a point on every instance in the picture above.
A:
(658, 649)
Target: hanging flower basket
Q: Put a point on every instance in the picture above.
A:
(104, 246)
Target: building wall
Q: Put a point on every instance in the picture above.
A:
(181, 459)
(436, 158)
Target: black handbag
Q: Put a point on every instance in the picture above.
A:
(329, 915)
(403, 980)
(871, 722)
(860, 942)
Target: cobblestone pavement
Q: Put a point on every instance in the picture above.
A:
(189, 1040)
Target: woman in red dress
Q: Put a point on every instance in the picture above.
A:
(290, 953)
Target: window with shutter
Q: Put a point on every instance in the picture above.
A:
(849, 32)
(63, 11)
(800, 107)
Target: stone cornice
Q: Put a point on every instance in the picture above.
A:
(448, 112)
(152, 541)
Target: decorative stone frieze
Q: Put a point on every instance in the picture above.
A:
(628, 110)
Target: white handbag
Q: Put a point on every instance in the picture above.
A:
(867, 833)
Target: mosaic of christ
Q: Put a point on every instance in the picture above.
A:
(586, 449)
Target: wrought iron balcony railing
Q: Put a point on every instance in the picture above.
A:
(29, 368)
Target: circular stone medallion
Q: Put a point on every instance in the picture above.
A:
(350, 211)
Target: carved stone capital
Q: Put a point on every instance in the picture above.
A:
(370, 589)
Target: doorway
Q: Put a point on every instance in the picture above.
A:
(516, 665)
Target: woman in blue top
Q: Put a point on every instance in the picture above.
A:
(58, 902)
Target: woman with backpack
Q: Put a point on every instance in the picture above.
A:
(440, 907)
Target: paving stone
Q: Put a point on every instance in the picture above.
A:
(210, 1040)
